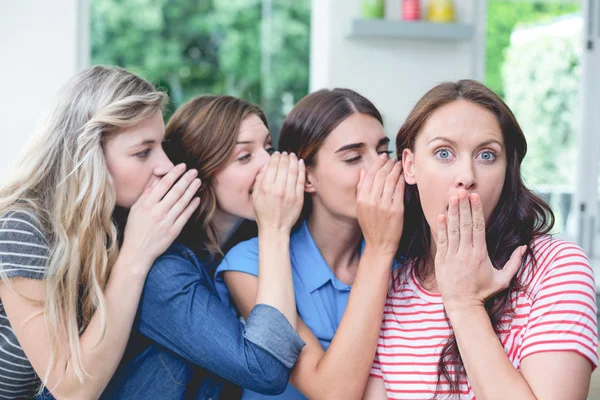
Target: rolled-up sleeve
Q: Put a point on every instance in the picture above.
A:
(268, 328)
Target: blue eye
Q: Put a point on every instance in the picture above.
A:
(488, 156)
(443, 154)
(143, 154)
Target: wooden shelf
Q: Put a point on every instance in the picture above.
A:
(365, 28)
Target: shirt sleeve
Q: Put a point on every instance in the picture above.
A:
(241, 258)
(179, 311)
(376, 368)
(24, 250)
(563, 312)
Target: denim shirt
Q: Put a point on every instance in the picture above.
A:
(187, 344)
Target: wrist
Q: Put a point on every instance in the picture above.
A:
(273, 232)
(457, 308)
(135, 265)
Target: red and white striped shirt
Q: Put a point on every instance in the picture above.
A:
(556, 311)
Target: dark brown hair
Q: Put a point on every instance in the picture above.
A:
(519, 217)
(314, 117)
(202, 134)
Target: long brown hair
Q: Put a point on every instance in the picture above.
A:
(202, 134)
(314, 117)
(519, 217)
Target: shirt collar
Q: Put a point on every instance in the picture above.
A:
(309, 263)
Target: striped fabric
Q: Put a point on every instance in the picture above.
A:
(23, 253)
(555, 312)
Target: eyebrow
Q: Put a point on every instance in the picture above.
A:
(145, 142)
(354, 146)
(252, 141)
(453, 143)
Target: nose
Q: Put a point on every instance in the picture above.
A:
(369, 158)
(163, 163)
(465, 177)
(262, 158)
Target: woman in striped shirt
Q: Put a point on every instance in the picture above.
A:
(68, 295)
(487, 305)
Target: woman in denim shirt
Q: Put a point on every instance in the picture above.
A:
(187, 343)
(340, 280)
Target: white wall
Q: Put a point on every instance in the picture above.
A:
(393, 72)
(39, 52)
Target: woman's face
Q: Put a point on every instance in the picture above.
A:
(351, 147)
(460, 146)
(234, 182)
(135, 158)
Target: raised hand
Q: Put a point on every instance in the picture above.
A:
(463, 269)
(380, 204)
(278, 193)
(159, 215)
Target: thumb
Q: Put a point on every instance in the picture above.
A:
(512, 265)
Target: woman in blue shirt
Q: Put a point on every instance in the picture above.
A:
(186, 342)
(352, 192)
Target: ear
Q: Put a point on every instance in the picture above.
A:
(408, 166)
(308, 182)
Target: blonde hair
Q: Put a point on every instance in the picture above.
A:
(202, 134)
(62, 178)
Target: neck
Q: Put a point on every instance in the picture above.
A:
(338, 240)
(226, 225)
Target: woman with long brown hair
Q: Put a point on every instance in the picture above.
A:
(186, 342)
(487, 305)
(342, 250)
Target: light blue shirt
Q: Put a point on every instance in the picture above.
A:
(320, 297)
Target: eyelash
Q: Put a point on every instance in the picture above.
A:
(143, 154)
(357, 158)
(247, 157)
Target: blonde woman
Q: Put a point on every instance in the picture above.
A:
(68, 294)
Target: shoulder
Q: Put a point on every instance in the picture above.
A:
(556, 262)
(24, 249)
(243, 257)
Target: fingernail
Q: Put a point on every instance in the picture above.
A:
(523, 250)
(462, 193)
(383, 156)
(301, 161)
(474, 198)
(292, 155)
(181, 166)
(453, 200)
(193, 172)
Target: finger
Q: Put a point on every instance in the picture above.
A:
(178, 190)
(282, 172)
(259, 181)
(380, 179)
(367, 182)
(271, 172)
(465, 220)
(292, 178)
(511, 267)
(185, 215)
(453, 230)
(442, 238)
(183, 201)
(478, 222)
(391, 182)
(301, 180)
(165, 183)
